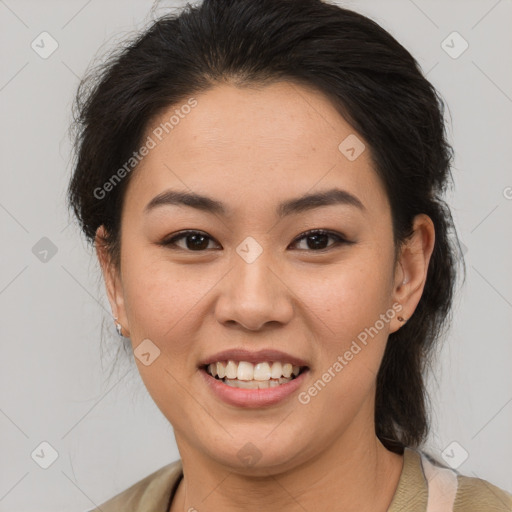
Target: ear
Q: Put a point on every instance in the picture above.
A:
(411, 268)
(112, 279)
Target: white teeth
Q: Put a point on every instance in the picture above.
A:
(262, 371)
(277, 370)
(221, 370)
(255, 384)
(248, 372)
(245, 371)
(252, 384)
(231, 370)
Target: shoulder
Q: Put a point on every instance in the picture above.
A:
(477, 495)
(426, 484)
(151, 494)
(467, 494)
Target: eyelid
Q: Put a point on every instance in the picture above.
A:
(171, 240)
(340, 239)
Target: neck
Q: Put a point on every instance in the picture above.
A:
(356, 473)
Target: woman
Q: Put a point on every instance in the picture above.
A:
(263, 183)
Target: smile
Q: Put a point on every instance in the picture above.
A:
(243, 374)
(244, 384)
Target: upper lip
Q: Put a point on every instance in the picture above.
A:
(253, 357)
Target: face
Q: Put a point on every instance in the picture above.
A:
(248, 276)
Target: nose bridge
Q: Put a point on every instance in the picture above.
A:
(253, 275)
(252, 259)
(254, 295)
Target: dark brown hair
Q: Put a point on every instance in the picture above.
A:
(375, 84)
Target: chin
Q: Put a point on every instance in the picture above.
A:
(257, 455)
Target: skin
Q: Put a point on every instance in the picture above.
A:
(252, 149)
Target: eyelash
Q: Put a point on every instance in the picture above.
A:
(339, 239)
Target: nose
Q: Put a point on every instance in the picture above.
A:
(254, 295)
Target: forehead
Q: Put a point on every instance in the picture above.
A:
(281, 138)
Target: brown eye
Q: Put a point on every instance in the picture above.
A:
(197, 241)
(194, 241)
(318, 240)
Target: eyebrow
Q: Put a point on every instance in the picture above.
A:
(301, 204)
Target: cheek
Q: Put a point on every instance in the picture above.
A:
(348, 297)
(164, 303)
(161, 298)
(345, 307)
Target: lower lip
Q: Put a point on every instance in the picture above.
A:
(252, 397)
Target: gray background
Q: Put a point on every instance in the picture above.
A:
(54, 369)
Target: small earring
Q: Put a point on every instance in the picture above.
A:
(119, 328)
(400, 318)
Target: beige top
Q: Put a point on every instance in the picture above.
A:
(154, 493)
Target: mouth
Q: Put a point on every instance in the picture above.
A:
(247, 375)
